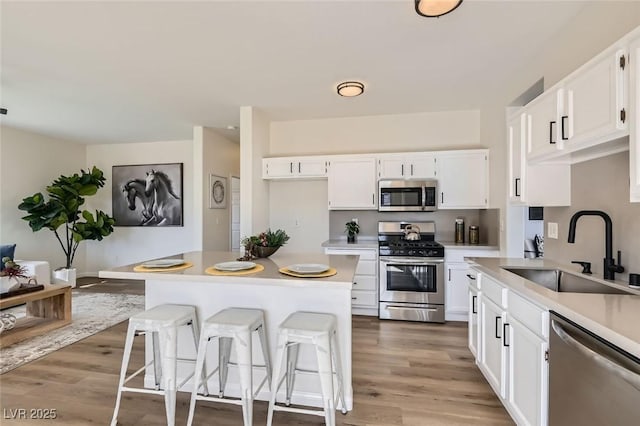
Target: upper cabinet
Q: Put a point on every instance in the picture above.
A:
(634, 118)
(586, 114)
(294, 167)
(533, 184)
(407, 166)
(543, 115)
(353, 183)
(463, 179)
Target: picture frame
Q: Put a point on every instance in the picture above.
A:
(218, 192)
(131, 206)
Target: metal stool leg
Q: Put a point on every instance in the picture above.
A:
(195, 329)
(277, 369)
(202, 353)
(244, 348)
(123, 370)
(337, 356)
(265, 353)
(169, 341)
(157, 363)
(224, 354)
(292, 362)
(323, 351)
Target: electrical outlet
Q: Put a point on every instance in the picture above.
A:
(552, 230)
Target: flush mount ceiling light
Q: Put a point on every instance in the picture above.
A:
(350, 88)
(436, 8)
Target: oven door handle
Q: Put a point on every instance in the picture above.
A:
(411, 262)
(392, 307)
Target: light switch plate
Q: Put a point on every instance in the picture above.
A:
(552, 230)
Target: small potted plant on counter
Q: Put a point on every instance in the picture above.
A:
(266, 243)
(352, 229)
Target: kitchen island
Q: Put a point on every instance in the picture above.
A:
(278, 295)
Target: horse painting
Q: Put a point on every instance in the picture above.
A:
(135, 188)
(166, 207)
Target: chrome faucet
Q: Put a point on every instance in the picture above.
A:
(610, 267)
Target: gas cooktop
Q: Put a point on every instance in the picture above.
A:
(414, 239)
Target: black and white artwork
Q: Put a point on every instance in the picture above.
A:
(217, 192)
(147, 195)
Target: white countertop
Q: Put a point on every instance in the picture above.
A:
(345, 265)
(361, 243)
(613, 317)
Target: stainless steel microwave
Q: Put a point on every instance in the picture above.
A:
(407, 195)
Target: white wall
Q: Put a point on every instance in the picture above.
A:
(254, 192)
(28, 163)
(133, 244)
(222, 158)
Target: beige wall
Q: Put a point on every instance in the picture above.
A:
(220, 157)
(30, 162)
(601, 184)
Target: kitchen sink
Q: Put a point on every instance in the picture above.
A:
(562, 281)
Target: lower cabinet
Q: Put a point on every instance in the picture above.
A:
(364, 295)
(509, 339)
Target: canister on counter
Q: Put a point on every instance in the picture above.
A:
(474, 235)
(459, 231)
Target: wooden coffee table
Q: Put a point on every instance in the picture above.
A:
(47, 310)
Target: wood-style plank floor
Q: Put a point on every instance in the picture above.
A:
(403, 374)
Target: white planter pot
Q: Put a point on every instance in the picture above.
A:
(65, 276)
(6, 283)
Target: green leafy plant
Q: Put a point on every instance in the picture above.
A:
(66, 196)
(352, 228)
(267, 239)
(12, 269)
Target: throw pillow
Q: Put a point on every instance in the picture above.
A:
(6, 251)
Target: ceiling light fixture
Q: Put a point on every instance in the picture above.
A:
(436, 8)
(350, 88)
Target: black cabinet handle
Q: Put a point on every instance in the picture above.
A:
(442, 198)
(298, 167)
(354, 298)
(449, 274)
(402, 170)
(412, 164)
(474, 309)
(517, 187)
(504, 334)
(564, 117)
(551, 123)
(471, 277)
(498, 328)
(290, 167)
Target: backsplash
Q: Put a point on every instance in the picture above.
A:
(444, 219)
(601, 184)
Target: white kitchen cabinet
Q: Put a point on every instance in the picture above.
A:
(456, 270)
(634, 121)
(352, 183)
(544, 185)
(528, 374)
(474, 305)
(406, 166)
(364, 294)
(294, 167)
(595, 100)
(493, 354)
(463, 179)
(543, 123)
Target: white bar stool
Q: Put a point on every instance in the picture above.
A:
(318, 329)
(162, 322)
(233, 325)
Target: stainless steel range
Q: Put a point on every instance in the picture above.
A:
(411, 272)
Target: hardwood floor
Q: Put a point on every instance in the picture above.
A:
(403, 374)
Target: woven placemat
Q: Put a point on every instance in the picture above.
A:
(328, 273)
(213, 271)
(141, 268)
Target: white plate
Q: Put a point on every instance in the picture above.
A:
(234, 266)
(308, 268)
(163, 263)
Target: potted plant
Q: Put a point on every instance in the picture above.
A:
(62, 209)
(352, 229)
(10, 274)
(266, 243)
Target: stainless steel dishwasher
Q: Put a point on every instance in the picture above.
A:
(591, 381)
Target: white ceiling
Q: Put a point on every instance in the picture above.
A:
(145, 71)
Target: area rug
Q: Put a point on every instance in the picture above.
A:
(91, 313)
